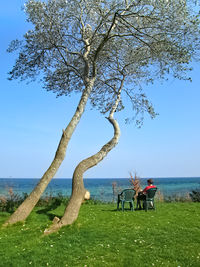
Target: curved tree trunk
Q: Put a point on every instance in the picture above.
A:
(29, 203)
(27, 206)
(78, 189)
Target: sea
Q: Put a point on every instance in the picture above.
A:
(100, 188)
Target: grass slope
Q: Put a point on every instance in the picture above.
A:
(102, 236)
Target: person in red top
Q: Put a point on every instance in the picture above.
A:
(142, 194)
(150, 185)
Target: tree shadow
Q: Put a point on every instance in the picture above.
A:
(48, 211)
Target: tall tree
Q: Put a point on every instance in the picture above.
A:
(89, 46)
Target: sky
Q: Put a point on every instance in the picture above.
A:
(32, 119)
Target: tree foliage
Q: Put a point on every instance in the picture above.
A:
(110, 40)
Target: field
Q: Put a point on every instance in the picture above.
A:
(103, 236)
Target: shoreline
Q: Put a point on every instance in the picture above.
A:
(100, 188)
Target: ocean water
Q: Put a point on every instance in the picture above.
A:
(100, 189)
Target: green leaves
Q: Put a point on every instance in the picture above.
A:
(136, 41)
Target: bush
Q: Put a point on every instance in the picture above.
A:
(10, 203)
(135, 183)
(93, 201)
(195, 195)
(177, 198)
(50, 201)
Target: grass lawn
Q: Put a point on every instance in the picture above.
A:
(102, 236)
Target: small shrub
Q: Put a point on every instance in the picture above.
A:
(177, 198)
(159, 196)
(135, 183)
(3, 201)
(10, 203)
(195, 195)
(50, 201)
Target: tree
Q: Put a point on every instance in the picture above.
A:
(78, 190)
(91, 46)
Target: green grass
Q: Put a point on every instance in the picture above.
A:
(102, 236)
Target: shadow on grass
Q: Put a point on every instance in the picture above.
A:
(112, 210)
(48, 211)
(120, 210)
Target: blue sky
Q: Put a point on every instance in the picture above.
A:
(31, 123)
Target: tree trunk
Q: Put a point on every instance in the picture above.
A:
(78, 189)
(29, 203)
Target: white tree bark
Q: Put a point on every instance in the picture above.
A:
(78, 189)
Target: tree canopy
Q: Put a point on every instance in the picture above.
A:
(134, 41)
